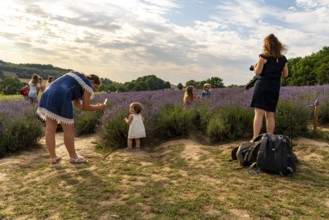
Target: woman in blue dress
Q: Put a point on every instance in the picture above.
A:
(56, 107)
(271, 66)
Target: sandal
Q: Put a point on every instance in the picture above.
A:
(78, 160)
(55, 160)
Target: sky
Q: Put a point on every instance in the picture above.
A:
(176, 40)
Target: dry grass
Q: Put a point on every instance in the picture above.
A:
(181, 179)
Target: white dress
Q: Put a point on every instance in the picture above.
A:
(136, 128)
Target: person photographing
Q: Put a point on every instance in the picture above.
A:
(56, 106)
(271, 66)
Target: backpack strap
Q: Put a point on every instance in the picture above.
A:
(253, 172)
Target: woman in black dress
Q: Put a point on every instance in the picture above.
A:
(271, 66)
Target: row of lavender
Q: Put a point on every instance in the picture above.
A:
(226, 115)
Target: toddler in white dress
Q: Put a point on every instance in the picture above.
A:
(136, 125)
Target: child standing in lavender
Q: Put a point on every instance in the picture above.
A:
(136, 125)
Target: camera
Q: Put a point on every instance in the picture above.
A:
(252, 67)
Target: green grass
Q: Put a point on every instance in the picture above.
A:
(6, 98)
(162, 183)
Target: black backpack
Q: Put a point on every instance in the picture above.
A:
(275, 155)
(246, 153)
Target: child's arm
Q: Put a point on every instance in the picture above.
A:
(129, 119)
(142, 117)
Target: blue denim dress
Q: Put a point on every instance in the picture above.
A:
(56, 100)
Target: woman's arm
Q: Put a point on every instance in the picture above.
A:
(86, 106)
(285, 71)
(259, 66)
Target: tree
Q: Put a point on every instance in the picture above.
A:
(216, 82)
(10, 86)
(180, 86)
(322, 74)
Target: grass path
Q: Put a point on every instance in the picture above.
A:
(181, 179)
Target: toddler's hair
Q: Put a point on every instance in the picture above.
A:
(137, 107)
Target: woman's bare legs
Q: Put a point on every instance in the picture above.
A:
(270, 122)
(258, 122)
(51, 126)
(69, 140)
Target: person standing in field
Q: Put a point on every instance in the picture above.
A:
(50, 79)
(34, 89)
(271, 66)
(136, 125)
(206, 90)
(56, 107)
(189, 96)
(25, 92)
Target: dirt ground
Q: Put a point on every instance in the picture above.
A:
(86, 146)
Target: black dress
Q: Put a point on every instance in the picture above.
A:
(267, 87)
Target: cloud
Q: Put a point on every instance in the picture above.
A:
(123, 40)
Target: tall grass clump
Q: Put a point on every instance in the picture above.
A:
(20, 133)
(173, 121)
(291, 119)
(230, 122)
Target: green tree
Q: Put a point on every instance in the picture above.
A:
(322, 74)
(10, 86)
(216, 82)
(180, 86)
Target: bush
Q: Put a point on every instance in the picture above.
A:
(86, 122)
(230, 122)
(20, 134)
(114, 130)
(173, 121)
(324, 111)
(291, 119)
(200, 115)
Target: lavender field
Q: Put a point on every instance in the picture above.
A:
(224, 116)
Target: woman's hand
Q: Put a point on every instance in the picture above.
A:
(101, 106)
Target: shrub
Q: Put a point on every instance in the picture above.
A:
(173, 121)
(114, 130)
(200, 115)
(20, 133)
(324, 111)
(230, 122)
(86, 122)
(291, 119)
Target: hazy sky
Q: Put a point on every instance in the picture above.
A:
(176, 40)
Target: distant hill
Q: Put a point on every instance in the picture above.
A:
(25, 71)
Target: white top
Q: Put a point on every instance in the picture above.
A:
(33, 89)
(136, 128)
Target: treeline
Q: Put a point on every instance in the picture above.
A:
(309, 70)
(26, 71)
(145, 83)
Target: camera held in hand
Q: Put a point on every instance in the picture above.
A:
(253, 80)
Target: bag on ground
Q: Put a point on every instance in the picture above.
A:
(246, 153)
(275, 155)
